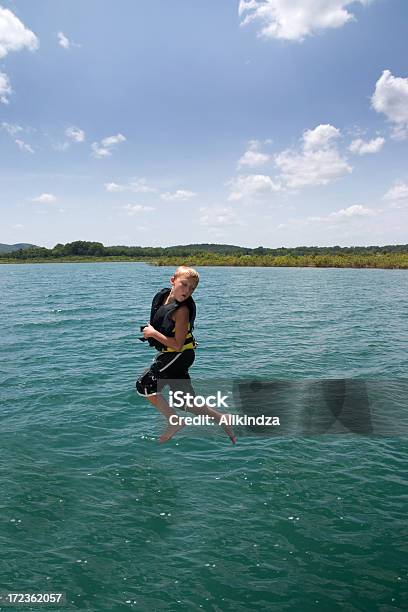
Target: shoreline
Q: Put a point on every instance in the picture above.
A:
(380, 261)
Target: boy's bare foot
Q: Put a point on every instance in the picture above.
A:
(230, 433)
(170, 431)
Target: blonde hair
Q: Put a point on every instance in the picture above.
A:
(187, 271)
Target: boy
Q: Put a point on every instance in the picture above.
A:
(170, 332)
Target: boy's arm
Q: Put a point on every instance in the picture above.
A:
(181, 319)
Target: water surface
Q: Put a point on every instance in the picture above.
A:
(91, 505)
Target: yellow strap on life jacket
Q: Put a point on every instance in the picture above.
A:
(187, 345)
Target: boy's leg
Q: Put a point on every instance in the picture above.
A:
(160, 403)
(148, 386)
(151, 381)
(186, 386)
(207, 410)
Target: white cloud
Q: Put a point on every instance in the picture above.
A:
(345, 214)
(99, 152)
(138, 186)
(135, 209)
(111, 141)
(14, 35)
(11, 128)
(398, 192)
(391, 98)
(317, 162)
(320, 137)
(252, 186)
(5, 88)
(23, 146)
(181, 195)
(357, 210)
(362, 147)
(253, 157)
(311, 168)
(216, 216)
(45, 198)
(295, 19)
(104, 149)
(141, 186)
(114, 187)
(75, 134)
(397, 195)
(63, 41)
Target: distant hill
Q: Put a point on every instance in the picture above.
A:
(83, 248)
(8, 248)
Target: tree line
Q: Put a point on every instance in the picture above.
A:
(83, 248)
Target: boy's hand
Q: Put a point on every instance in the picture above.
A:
(149, 331)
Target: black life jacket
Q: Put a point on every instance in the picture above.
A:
(160, 318)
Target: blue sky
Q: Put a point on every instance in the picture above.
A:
(265, 122)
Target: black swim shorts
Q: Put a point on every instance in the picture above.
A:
(167, 369)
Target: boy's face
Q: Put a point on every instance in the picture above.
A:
(183, 287)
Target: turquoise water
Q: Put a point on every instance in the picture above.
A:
(92, 506)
